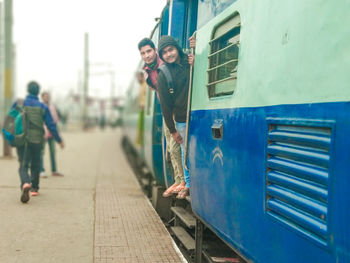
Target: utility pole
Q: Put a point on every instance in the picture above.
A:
(2, 112)
(8, 89)
(8, 54)
(86, 80)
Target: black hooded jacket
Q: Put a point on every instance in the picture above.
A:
(174, 105)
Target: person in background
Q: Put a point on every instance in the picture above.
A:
(37, 114)
(102, 120)
(49, 138)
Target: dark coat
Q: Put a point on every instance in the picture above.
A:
(174, 105)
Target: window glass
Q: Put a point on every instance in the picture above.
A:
(223, 58)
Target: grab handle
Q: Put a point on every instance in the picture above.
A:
(217, 129)
(188, 110)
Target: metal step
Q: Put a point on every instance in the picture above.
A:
(213, 259)
(184, 237)
(185, 216)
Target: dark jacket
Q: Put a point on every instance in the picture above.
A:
(34, 107)
(174, 106)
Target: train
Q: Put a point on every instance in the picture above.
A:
(269, 119)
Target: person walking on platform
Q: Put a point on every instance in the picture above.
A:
(49, 139)
(152, 61)
(37, 113)
(173, 99)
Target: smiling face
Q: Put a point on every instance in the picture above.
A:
(170, 54)
(148, 54)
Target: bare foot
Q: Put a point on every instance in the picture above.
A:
(168, 192)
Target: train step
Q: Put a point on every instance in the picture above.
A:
(185, 238)
(220, 259)
(186, 217)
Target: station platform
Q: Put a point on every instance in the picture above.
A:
(95, 213)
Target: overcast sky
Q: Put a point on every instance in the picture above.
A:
(49, 38)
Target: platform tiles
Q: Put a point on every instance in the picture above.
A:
(127, 228)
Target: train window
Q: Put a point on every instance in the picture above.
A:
(223, 58)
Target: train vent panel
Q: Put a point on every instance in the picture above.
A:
(297, 178)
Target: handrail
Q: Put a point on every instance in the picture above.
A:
(188, 109)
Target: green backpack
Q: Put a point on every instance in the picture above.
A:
(16, 124)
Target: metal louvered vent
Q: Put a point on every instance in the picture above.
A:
(298, 160)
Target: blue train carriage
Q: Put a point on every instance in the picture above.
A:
(268, 138)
